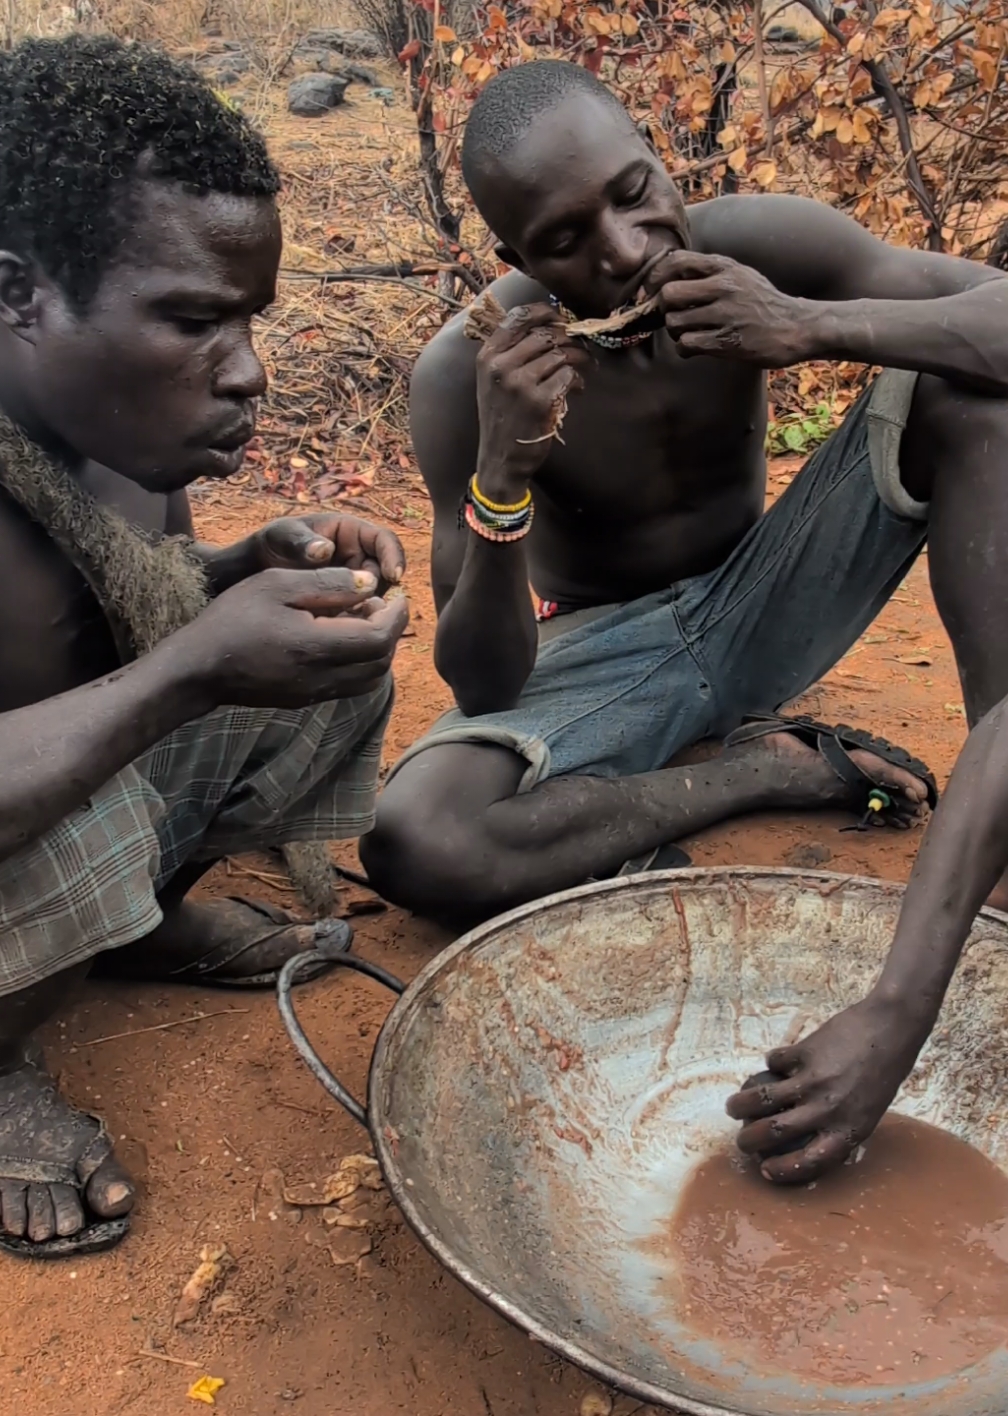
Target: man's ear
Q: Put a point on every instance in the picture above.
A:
(644, 131)
(509, 257)
(20, 296)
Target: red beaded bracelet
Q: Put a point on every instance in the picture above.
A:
(474, 524)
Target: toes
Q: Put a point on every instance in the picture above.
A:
(14, 1208)
(110, 1192)
(67, 1209)
(895, 779)
(41, 1219)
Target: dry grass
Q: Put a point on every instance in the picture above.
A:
(175, 22)
(334, 426)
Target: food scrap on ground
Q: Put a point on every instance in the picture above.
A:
(205, 1390)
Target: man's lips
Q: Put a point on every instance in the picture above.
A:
(634, 289)
(234, 439)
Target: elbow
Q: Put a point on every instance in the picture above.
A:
(477, 700)
(478, 692)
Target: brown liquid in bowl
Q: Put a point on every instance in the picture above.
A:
(893, 1270)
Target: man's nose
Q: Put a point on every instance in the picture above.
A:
(624, 247)
(240, 373)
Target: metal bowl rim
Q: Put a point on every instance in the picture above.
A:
(411, 998)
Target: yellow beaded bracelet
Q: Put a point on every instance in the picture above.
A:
(501, 508)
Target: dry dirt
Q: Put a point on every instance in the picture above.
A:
(203, 1110)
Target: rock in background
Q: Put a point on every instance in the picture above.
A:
(314, 94)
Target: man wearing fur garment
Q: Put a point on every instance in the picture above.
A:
(162, 704)
(615, 462)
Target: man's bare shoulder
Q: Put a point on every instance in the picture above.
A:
(726, 225)
(448, 363)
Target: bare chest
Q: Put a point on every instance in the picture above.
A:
(659, 436)
(53, 634)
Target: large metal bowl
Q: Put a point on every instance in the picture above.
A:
(539, 1094)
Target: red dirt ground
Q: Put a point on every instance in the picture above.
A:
(206, 1108)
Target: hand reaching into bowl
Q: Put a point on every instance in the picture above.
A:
(825, 1095)
(830, 1090)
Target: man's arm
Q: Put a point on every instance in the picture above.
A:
(295, 543)
(831, 290)
(842, 1078)
(280, 639)
(55, 754)
(470, 416)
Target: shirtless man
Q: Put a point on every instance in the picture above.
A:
(139, 237)
(682, 607)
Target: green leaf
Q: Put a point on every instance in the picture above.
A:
(794, 438)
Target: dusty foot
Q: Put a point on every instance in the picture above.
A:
(216, 941)
(37, 1127)
(798, 775)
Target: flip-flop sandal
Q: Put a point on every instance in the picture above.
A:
(667, 857)
(835, 744)
(214, 969)
(95, 1238)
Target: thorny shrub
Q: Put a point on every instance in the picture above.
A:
(896, 114)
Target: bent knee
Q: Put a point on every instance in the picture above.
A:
(426, 860)
(431, 850)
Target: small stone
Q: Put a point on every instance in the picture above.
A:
(355, 44)
(349, 1245)
(314, 94)
(355, 1201)
(333, 1216)
(359, 73)
(597, 1403)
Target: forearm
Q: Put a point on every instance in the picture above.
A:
(228, 565)
(55, 754)
(486, 641)
(963, 338)
(964, 854)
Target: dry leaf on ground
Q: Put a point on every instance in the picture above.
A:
(214, 1264)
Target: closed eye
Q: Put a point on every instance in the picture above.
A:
(195, 325)
(636, 194)
(562, 244)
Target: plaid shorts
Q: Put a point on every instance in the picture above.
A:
(239, 779)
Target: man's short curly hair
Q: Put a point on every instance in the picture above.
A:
(512, 102)
(78, 117)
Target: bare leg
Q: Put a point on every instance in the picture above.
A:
(454, 842)
(956, 454)
(36, 1124)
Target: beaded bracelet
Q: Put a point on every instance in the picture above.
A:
(490, 533)
(498, 508)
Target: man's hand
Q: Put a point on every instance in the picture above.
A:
(523, 372)
(288, 639)
(835, 1086)
(715, 306)
(308, 543)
